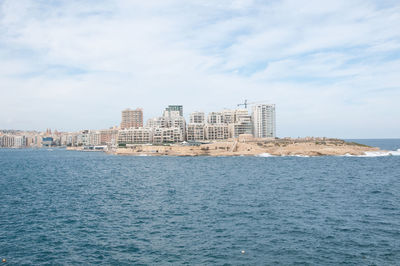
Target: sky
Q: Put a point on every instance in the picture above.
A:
(331, 67)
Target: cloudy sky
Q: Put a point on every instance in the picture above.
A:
(331, 67)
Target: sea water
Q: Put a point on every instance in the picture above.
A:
(69, 207)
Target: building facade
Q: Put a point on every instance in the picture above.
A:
(216, 131)
(135, 136)
(195, 132)
(264, 121)
(197, 118)
(173, 110)
(132, 118)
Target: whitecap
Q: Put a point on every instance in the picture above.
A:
(381, 153)
(265, 155)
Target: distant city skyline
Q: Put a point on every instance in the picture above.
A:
(331, 67)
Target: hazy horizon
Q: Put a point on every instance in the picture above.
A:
(331, 68)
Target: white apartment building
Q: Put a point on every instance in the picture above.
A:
(214, 118)
(216, 131)
(135, 136)
(228, 116)
(241, 124)
(179, 122)
(195, 132)
(167, 135)
(197, 118)
(158, 122)
(19, 141)
(264, 121)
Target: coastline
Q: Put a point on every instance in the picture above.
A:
(253, 147)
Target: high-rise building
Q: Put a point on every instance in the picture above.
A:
(264, 121)
(173, 110)
(132, 118)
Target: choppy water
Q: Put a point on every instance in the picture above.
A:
(63, 207)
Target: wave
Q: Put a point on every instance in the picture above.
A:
(265, 155)
(376, 154)
(366, 154)
(270, 155)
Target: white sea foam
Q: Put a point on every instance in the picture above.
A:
(366, 154)
(376, 154)
(381, 153)
(265, 155)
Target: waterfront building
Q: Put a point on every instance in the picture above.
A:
(179, 122)
(135, 136)
(242, 115)
(158, 122)
(214, 118)
(242, 123)
(173, 110)
(132, 118)
(264, 121)
(7, 141)
(47, 141)
(108, 136)
(216, 131)
(19, 141)
(94, 138)
(82, 139)
(228, 116)
(195, 132)
(167, 135)
(240, 128)
(37, 141)
(197, 118)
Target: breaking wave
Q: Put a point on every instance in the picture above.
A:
(377, 154)
(265, 155)
(366, 154)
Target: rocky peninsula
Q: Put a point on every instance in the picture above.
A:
(246, 145)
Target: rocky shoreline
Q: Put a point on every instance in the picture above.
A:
(253, 147)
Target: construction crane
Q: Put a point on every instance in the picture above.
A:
(245, 104)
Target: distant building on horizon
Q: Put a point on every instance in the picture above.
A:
(264, 121)
(132, 118)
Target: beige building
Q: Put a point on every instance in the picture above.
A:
(135, 136)
(108, 136)
(197, 118)
(132, 118)
(158, 122)
(214, 118)
(228, 116)
(195, 132)
(167, 135)
(216, 131)
(179, 122)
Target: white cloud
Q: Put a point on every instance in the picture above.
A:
(75, 64)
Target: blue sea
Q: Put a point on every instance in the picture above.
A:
(69, 207)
